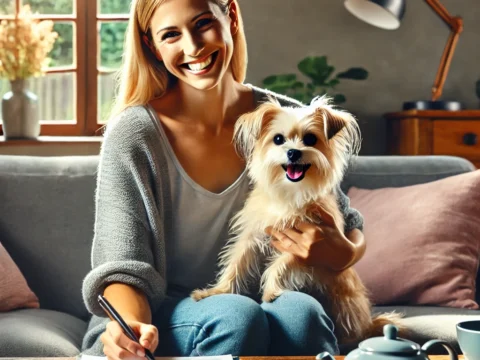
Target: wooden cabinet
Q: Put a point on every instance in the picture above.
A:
(435, 132)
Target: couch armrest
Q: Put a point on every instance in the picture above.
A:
(373, 172)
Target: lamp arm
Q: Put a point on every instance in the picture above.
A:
(456, 25)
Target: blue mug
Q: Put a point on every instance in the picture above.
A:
(468, 335)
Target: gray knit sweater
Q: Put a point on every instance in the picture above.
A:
(154, 227)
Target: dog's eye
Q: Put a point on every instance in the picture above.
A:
(309, 139)
(278, 139)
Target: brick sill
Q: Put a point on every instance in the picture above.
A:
(52, 140)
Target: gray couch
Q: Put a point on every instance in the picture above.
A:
(46, 224)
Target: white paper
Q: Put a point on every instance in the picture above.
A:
(222, 357)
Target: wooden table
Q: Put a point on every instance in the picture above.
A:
(432, 357)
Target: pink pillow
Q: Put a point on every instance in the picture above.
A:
(14, 290)
(423, 242)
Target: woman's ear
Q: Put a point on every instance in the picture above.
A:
(152, 48)
(233, 13)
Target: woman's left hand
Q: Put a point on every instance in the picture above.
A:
(316, 245)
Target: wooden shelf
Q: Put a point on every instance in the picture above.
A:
(434, 114)
(435, 132)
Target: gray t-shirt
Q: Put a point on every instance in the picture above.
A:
(155, 228)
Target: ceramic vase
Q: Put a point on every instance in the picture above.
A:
(20, 114)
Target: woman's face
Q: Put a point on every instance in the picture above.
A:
(194, 40)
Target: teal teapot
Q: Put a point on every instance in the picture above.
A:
(390, 347)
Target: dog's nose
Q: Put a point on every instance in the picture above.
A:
(294, 154)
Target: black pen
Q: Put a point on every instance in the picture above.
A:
(113, 314)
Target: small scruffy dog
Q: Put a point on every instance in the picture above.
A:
(296, 158)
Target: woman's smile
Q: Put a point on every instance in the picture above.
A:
(201, 66)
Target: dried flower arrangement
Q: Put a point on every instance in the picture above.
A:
(24, 45)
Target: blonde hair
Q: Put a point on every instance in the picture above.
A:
(142, 76)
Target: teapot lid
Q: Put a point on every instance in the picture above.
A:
(389, 343)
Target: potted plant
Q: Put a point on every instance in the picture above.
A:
(24, 45)
(321, 80)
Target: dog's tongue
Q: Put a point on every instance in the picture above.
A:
(294, 172)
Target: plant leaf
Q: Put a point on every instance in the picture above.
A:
(286, 80)
(354, 73)
(298, 85)
(316, 68)
(269, 80)
(334, 82)
(339, 98)
(307, 65)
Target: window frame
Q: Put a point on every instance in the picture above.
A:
(85, 66)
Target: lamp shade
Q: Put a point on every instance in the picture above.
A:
(385, 14)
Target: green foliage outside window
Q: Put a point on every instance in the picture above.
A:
(111, 33)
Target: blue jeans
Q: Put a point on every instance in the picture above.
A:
(293, 324)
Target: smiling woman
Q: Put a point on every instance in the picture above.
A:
(169, 182)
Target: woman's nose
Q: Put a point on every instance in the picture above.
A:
(193, 46)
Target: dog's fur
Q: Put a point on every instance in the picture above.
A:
(278, 201)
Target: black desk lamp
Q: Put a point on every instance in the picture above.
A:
(387, 14)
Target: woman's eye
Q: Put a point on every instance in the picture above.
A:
(203, 22)
(169, 34)
(278, 139)
(309, 139)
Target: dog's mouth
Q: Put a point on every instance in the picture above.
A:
(295, 172)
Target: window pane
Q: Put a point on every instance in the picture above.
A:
(114, 6)
(106, 93)
(7, 7)
(4, 88)
(111, 43)
(51, 6)
(62, 52)
(56, 94)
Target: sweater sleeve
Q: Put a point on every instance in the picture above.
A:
(353, 218)
(123, 247)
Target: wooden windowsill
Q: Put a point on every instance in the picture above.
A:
(52, 140)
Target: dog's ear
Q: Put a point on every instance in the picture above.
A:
(334, 120)
(341, 127)
(250, 126)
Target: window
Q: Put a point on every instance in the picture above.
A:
(76, 94)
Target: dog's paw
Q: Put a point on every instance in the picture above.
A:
(200, 294)
(269, 296)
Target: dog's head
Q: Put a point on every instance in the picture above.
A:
(299, 151)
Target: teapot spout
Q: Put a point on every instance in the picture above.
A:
(324, 356)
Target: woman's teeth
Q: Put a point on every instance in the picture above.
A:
(200, 65)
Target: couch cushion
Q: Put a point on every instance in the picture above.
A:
(423, 242)
(40, 333)
(374, 172)
(46, 224)
(14, 290)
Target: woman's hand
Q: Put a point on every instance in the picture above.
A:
(320, 245)
(117, 345)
